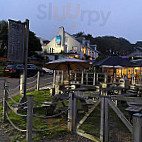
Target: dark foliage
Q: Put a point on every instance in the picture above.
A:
(109, 45)
(34, 42)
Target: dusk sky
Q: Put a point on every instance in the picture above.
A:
(120, 18)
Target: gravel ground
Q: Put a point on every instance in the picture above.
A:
(68, 138)
(3, 136)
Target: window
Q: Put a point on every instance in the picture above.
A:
(66, 39)
(74, 49)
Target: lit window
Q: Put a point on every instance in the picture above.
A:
(74, 49)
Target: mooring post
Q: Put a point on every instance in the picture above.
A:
(137, 127)
(38, 80)
(5, 99)
(29, 119)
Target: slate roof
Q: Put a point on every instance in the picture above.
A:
(115, 61)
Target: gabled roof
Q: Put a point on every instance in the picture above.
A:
(115, 61)
(137, 53)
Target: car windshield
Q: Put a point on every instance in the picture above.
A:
(10, 66)
(19, 66)
(31, 66)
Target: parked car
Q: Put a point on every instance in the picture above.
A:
(13, 70)
(33, 69)
(48, 71)
(16, 69)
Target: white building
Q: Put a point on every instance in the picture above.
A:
(64, 42)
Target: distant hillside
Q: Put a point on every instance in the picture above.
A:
(110, 45)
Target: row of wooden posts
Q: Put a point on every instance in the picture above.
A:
(84, 77)
(72, 114)
(29, 105)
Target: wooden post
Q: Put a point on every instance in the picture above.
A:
(62, 77)
(114, 80)
(102, 121)
(74, 112)
(75, 75)
(86, 78)
(5, 99)
(38, 80)
(106, 121)
(140, 75)
(29, 119)
(24, 98)
(97, 78)
(137, 127)
(94, 79)
(70, 111)
(82, 77)
(21, 84)
(54, 76)
(105, 80)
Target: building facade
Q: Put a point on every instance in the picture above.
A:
(66, 43)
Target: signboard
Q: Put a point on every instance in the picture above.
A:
(16, 41)
(58, 40)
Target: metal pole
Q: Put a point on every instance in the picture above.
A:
(137, 127)
(29, 119)
(5, 98)
(38, 80)
(25, 60)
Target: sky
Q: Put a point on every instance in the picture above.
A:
(119, 18)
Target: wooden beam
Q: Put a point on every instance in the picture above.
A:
(88, 136)
(121, 116)
(87, 114)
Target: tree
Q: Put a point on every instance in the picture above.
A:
(4, 33)
(109, 45)
(34, 42)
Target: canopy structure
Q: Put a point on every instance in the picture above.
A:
(115, 61)
(67, 64)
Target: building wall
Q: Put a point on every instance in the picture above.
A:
(69, 44)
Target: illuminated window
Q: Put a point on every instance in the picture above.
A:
(74, 49)
(83, 49)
